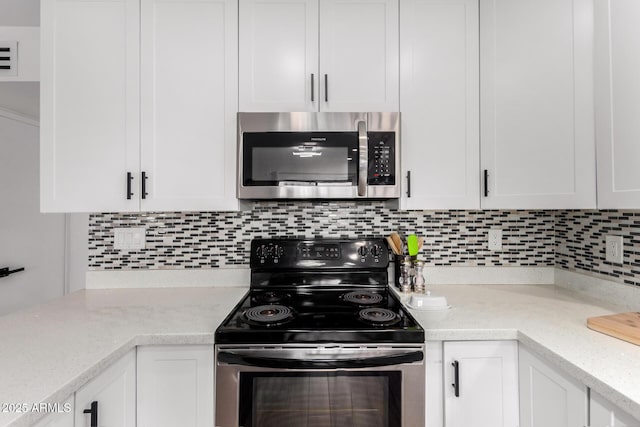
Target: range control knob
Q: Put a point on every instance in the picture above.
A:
(363, 251)
(278, 251)
(376, 250)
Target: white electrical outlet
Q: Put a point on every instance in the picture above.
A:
(615, 250)
(129, 238)
(495, 240)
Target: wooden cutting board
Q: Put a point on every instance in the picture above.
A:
(625, 326)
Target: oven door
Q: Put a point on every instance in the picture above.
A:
(320, 386)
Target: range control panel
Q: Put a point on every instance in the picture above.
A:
(382, 158)
(320, 253)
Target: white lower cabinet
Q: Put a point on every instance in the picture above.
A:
(548, 397)
(604, 414)
(480, 384)
(112, 394)
(60, 419)
(175, 386)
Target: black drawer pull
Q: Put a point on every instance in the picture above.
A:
(94, 413)
(129, 180)
(4, 272)
(5, 49)
(313, 87)
(486, 183)
(456, 378)
(144, 185)
(5, 58)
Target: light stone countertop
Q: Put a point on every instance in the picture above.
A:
(550, 321)
(49, 351)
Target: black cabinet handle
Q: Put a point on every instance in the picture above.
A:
(313, 87)
(486, 183)
(326, 88)
(4, 272)
(94, 413)
(408, 183)
(456, 378)
(129, 181)
(144, 185)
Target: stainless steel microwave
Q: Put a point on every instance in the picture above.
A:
(318, 155)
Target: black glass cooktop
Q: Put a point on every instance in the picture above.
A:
(319, 316)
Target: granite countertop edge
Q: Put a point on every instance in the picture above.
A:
(188, 328)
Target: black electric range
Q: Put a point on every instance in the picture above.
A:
(319, 291)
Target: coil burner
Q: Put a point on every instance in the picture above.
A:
(379, 316)
(362, 298)
(269, 315)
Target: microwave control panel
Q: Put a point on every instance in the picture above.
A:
(382, 158)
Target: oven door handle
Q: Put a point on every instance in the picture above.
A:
(284, 363)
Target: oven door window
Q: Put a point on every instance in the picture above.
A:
(320, 399)
(271, 158)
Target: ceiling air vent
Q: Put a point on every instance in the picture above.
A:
(8, 58)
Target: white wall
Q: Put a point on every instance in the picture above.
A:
(20, 13)
(27, 238)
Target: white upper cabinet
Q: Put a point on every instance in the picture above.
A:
(359, 55)
(279, 55)
(189, 70)
(139, 102)
(537, 113)
(549, 398)
(618, 103)
(439, 91)
(310, 55)
(89, 126)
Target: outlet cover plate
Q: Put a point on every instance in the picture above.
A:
(129, 238)
(495, 240)
(614, 249)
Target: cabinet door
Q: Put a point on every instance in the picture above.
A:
(279, 55)
(63, 418)
(537, 137)
(115, 391)
(549, 398)
(359, 55)
(487, 384)
(175, 386)
(618, 103)
(604, 414)
(439, 102)
(89, 126)
(189, 104)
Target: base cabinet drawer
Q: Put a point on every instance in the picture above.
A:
(602, 413)
(548, 397)
(109, 400)
(175, 386)
(481, 383)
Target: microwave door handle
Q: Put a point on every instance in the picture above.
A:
(363, 159)
(286, 363)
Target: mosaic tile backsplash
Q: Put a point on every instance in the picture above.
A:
(571, 240)
(221, 239)
(580, 243)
